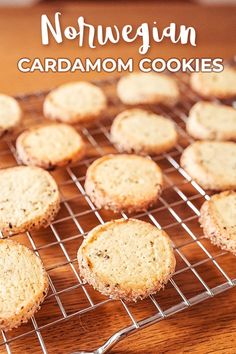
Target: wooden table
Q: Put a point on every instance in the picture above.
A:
(208, 327)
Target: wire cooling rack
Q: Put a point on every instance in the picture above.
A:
(74, 316)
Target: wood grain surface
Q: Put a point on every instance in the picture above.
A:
(208, 327)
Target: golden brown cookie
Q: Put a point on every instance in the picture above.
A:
(50, 146)
(147, 88)
(218, 219)
(143, 132)
(211, 164)
(23, 284)
(126, 259)
(221, 85)
(124, 182)
(75, 102)
(211, 121)
(10, 114)
(29, 199)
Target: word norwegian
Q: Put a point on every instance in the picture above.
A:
(112, 34)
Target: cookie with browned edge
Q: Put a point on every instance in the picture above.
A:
(10, 114)
(124, 182)
(75, 102)
(143, 132)
(148, 88)
(126, 259)
(218, 219)
(221, 85)
(211, 121)
(50, 145)
(212, 164)
(23, 284)
(29, 199)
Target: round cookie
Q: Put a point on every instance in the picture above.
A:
(126, 259)
(211, 121)
(218, 219)
(124, 182)
(23, 284)
(10, 114)
(140, 131)
(75, 102)
(221, 85)
(147, 88)
(211, 164)
(50, 146)
(29, 199)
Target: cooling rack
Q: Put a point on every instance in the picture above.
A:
(74, 314)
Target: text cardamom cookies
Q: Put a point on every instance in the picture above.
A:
(50, 146)
(124, 182)
(147, 88)
(75, 102)
(211, 164)
(143, 132)
(126, 259)
(29, 199)
(10, 114)
(218, 219)
(211, 121)
(23, 284)
(221, 85)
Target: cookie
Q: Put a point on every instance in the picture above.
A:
(123, 182)
(29, 199)
(75, 102)
(218, 219)
(126, 259)
(50, 146)
(221, 85)
(211, 164)
(10, 114)
(211, 121)
(143, 132)
(23, 284)
(147, 88)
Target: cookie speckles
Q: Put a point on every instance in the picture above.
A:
(23, 284)
(218, 219)
(143, 132)
(123, 182)
(29, 199)
(50, 146)
(221, 85)
(211, 164)
(147, 88)
(128, 259)
(75, 102)
(211, 121)
(10, 114)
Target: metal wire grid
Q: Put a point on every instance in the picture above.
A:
(101, 129)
